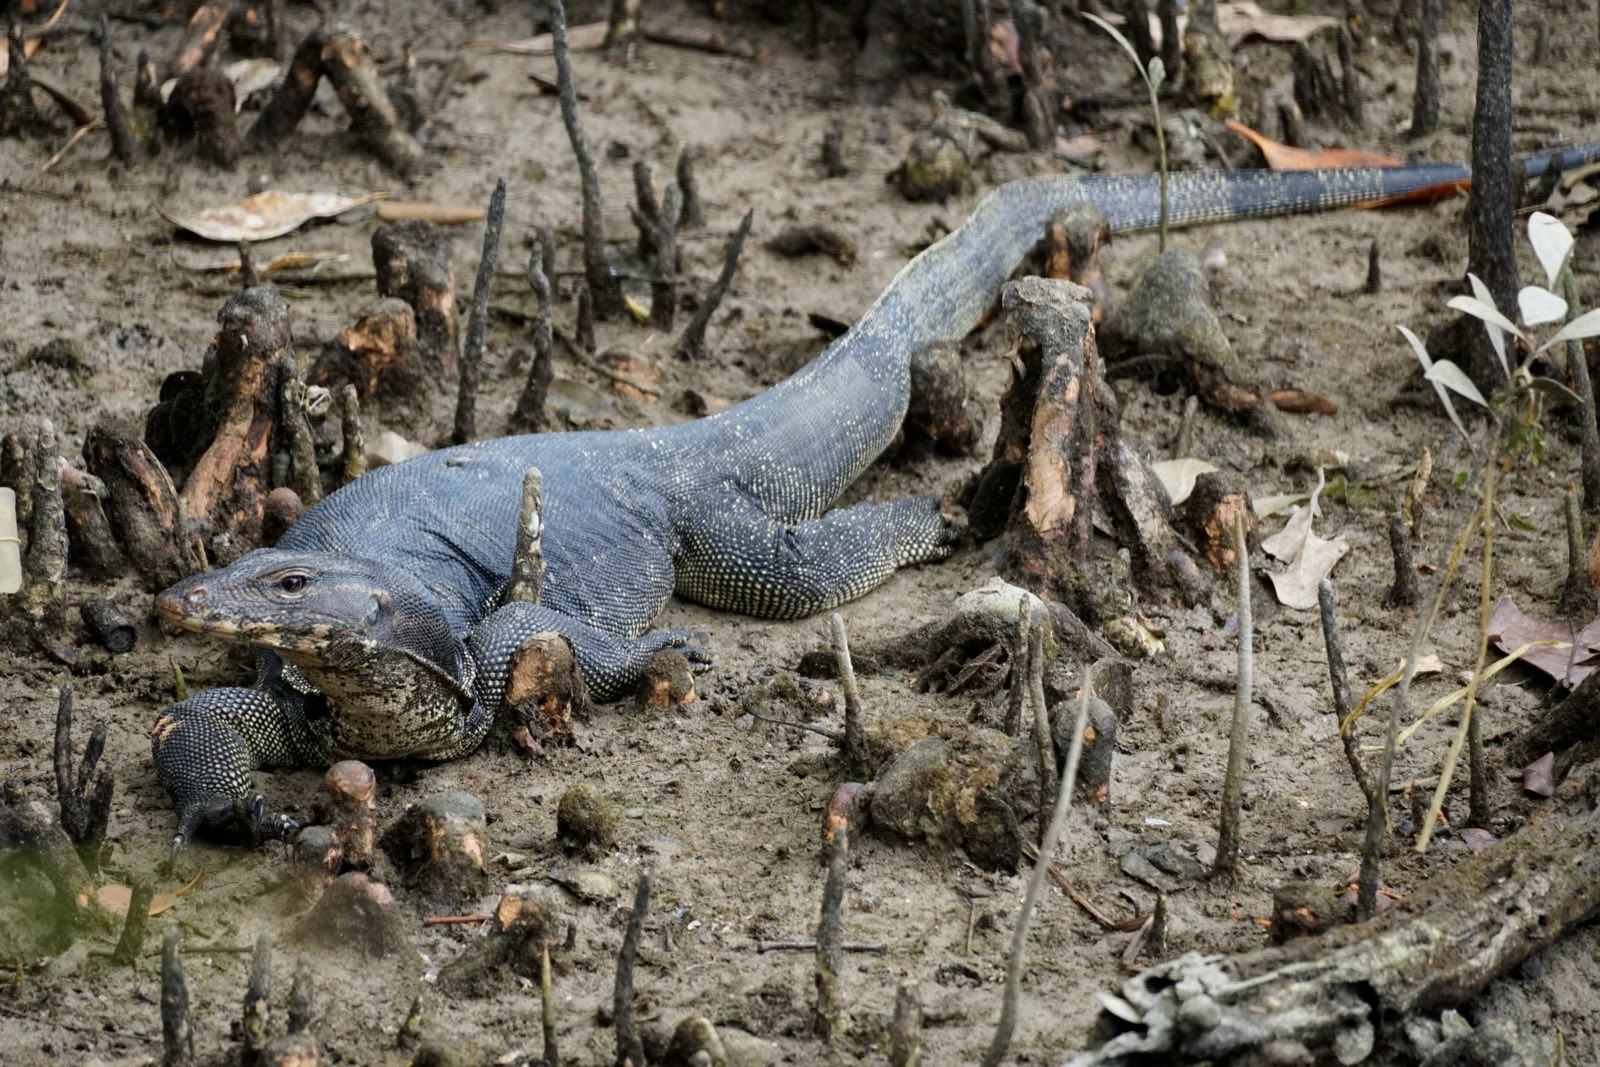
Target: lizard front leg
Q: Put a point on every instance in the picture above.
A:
(206, 747)
(610, 663)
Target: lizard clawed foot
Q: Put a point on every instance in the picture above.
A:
(699, 659)
(233, 820)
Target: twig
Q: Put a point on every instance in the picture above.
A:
(664, 285)
(44, 568)
(177, 1039)
(830, 1019)
(529, 414)
(714, 43)
(809, 945)
(998, 1048)
(457, 920)
(693, 341)
(1183, 443)
(693, 212)
(547, 1008)
(123, 144)
(1039, 629)
(256, 1023)
(645, 211)
(131, 943)
(466, 427)
(855, 732)
(905, 1030)
(1374, 282)
(1227, 862)
(1339, 680)
(1425, 101)
(527, 566)
(1019, 671)
(1578, 594)
(629, 1048)
(584, 329)
(300, 1008)
(304, 477)
(1589, 469)
(77, 135)
(354, 449)
(1403, 593)
(1470, 730)
(604, 285)
(84, 815)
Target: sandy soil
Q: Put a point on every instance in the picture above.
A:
(726, 812)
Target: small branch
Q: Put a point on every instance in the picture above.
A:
(529, 414)
(996, 1053)
(1339, 679)
(831, 1020)
(693, 341)
(855, 732)
(604, 285)
(300, 1007)
(44, 568)
(1019, 670)
(1049, 784)
(664, 285)
(304, 477)
(645, 211)
(1227, 862)
(584, 329)
(1374, 282)
(810, 945)
(547, 1009)
(255, 1026)
(693, 212)
(527, 566)
(1403, 593)
(466, 427)
(131, 943)
(630, 1050)
(124, 146)
(177, 1038)
(84, 814)
(905, 1031)
(354, 444)
(1578, 594)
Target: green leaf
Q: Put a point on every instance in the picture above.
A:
(1555, 390)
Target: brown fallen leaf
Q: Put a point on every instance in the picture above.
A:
(265, 215)
(1285, 157)
(277, 264)
(1477, 840)
(116, 899)
(1243, 20)
(1310, 558)
(1510, 628)
(1301, 402)
(32, 40)
(1539, 777)
(438, 214)
(582, 38)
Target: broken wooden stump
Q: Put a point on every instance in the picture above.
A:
(354, 912)
(941, 417)
(91, 544)
(142, 506)
(44, 565)
(439, 846)
(200, 108)
(413, 262)
(1217, 500)
(1093, 785)
(528, 921)
(228, 484)
(111, 629)
(379, 354)
(1337, 997)
(348, 805)
(291, 99)
(545, 692)
(666, 682)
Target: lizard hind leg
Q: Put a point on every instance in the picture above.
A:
(737, 559)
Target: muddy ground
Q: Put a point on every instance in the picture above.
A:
(724, 811)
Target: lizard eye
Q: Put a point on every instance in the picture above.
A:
(292, 583)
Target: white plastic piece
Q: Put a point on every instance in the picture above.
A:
(10, 544)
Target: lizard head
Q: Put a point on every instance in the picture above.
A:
(313, 607)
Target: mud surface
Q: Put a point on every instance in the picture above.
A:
(725, 811)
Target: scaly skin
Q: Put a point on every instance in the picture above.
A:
(372, 615)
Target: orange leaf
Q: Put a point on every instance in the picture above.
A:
(1283, 157)
(116, 900)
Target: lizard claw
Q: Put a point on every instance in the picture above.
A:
(231, 819)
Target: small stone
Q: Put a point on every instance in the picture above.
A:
(935, 168)
(1199, 1013)
(585, 819)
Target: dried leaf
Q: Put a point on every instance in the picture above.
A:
(1310, 558)
(1243, 20)
(1266, 506)
(1552, 243)
(1177, 476)
(1285, 157)
(585, 37)
(116, 899)
(1569, 660)
(1539, 777)
(265, 215)
(1477, 840)
(1539, 305)
(438, 214)
(1302, 402)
